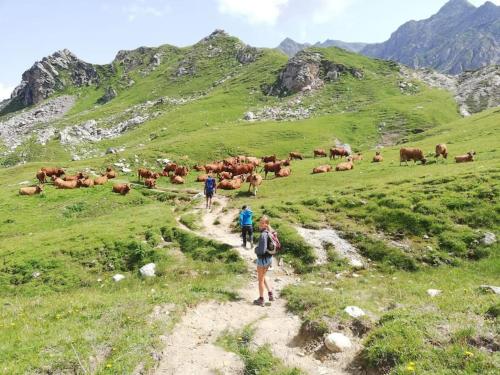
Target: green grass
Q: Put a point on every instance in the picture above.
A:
(258, 361)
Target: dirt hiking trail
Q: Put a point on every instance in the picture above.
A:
(190, 348)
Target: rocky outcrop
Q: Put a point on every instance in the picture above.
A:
(459, 37)
(20, 127)
(109, 95)
(51, 74)
(306, 71)
(474, 91)
(247, 54)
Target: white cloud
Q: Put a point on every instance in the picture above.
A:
(255, 11)
(5, 90)
(144, 8)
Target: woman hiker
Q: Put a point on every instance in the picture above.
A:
(264, 260)
(246, 224)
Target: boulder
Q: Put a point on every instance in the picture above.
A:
(109, 95)
(354, 311)
(489, 238)
(491, 288)
(118, 277)
(148, 270)
(337, 342)
(111, 150)
(249, 116)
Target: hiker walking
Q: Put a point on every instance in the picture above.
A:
(267, 246)
(246, 224)
(210, 190)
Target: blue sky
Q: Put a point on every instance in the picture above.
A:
(96, 29)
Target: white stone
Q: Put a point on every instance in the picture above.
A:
(328, 289)
(148, 270)
(36, 274)
(433, 292)
(489, 238)
(249, 116)
(126, 170)
(118, 277)
(356, 263)
(354, 311)
(494, 289)
(337, 342)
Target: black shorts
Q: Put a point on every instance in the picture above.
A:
(209, 193)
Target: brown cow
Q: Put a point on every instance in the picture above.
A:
(254, 180)
(322, 169)
(176, 179)
(122, 189)
(338, 151)
(202, 178)
(146, 173)
(271, 167)
(214, 167)
(253, 160)
(181, 171)
(441, 150)
(170, 167)
(75, 177)
(50, 171)
(270, 158)
(31, 190)
(295, 155)
(283, 172)
(225, 176)
(41, 176)
(150, 183)
(465, 158)
(233, 184)
(345, 166)
(415, 154)
(378, 157)
(61, 184)
(357, 157)
(320, 153)
(199, 168)
(240, 169)
(86, 182)
(110, 173)
(101, 180)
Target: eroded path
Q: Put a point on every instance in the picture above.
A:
(191, 348)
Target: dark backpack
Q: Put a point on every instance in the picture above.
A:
(273, 243)
(210, 184)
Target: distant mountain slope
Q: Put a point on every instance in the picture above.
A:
(459, 37)
(290, 47)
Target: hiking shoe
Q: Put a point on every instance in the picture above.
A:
(259, 301)
(271, 297)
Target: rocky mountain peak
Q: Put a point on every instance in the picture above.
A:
(456, 7)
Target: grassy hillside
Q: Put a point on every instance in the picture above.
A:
(62, 312)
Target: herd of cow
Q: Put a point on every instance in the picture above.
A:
(231, 172)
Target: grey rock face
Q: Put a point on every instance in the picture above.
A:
(45, 77)
(459, 37)
(247, 54)
(109, 95)
(307, 71)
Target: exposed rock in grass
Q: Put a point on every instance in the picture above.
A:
(337, 342)
(118, 277)
(489, 238)
(491, 288)
(354, 311)
(148, 270)
(434, 292)
(109, 95)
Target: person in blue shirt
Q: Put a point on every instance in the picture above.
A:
(210, 189)
(246, 224)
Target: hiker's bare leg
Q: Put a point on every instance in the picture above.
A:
(260, 276)
(266, 283)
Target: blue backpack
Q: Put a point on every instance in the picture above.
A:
(210, 184)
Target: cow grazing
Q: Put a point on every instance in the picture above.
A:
(41, 176)
(150, 183)
(465, 158)
(345, 166)
(122, 189)
(86, 182)
(357, 157)
(271, 167)
(202, 178)
(415, 154)
(295, 155)
(441, 150)
(283, 172)
(62, 184)
(378, 158)
(322, 169)
(146, 173)
(240, 169)
(319, 152)
(50, 171)
(75, 177)
(268, 159)
(214, 167)
(170, 167)
(338, 151)
(101, 180)
(176, 180)
(254, 181)
(110, 173)
(31, 190)
(181, 171)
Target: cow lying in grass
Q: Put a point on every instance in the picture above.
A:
(31, 190)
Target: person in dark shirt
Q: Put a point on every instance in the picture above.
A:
(210, 190)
